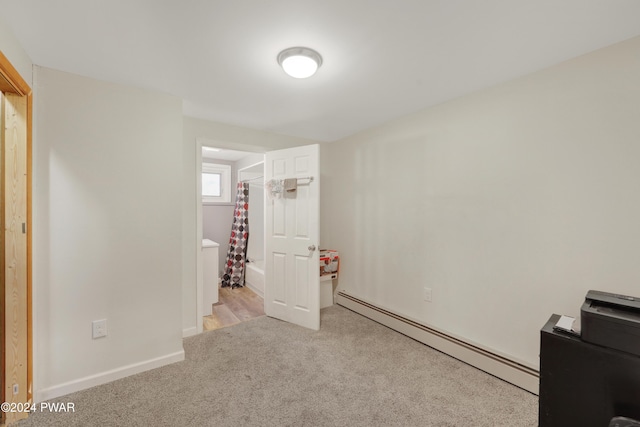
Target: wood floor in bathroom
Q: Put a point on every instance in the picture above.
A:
(234, 306)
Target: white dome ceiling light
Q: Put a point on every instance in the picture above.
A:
(299, 62)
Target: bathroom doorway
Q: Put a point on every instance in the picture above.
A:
(221, 170)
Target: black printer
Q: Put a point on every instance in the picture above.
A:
(612, 321)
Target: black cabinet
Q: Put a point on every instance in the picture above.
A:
(583, 384)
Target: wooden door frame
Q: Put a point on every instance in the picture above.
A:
(12, 82)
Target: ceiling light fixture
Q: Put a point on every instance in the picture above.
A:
(299, 62)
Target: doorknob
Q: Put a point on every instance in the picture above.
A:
(312, 248)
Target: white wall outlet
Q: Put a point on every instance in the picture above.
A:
(99, 328)
(426, 294)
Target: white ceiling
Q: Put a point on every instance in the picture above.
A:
(382, 58)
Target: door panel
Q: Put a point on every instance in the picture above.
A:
(303, 215)
(302, 283)
(279, 278)
(292, 281)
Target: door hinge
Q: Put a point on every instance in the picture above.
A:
(24, 228)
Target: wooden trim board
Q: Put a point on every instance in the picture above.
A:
(12, 77)
(16, 239)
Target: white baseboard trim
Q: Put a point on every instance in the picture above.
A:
(255, 290)
(189, 332)
(491, 362)
(105, 377)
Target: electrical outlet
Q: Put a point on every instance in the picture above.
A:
(16, 389)
(99, 328)
(426, 293)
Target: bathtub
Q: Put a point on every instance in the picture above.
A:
(254, 276)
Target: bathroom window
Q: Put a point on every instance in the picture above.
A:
(216, 183)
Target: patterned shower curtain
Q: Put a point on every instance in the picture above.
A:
(237, 253)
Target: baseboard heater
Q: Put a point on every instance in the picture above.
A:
(483, 359)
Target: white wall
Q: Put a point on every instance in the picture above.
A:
(509, 203)
(11, 48)
(107, 230)
(223, 136)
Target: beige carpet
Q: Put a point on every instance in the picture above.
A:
(264, 372)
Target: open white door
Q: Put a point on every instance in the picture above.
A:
(292, 233)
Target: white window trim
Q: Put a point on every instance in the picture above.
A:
(225, 182)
